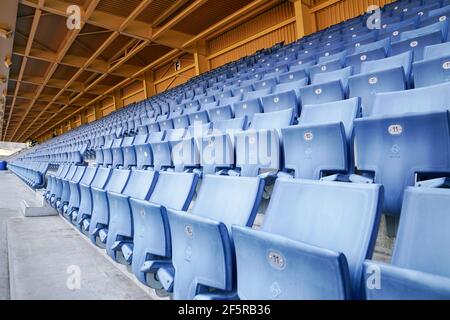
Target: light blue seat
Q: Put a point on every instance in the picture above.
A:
(220, 113)
(280, 101)
(369, 52)
(258, 149)
(415, 100)
(320, 144)
(51, 181)
(86, 203)
(313, 242)
(129, 152)
(62, 204)
(418, 39)
(144, 153)
(119, 240)
(257, 94)
(291, 86)
(292, 76)
(420, 266)
(75, 192)
(161, 151)
(326, 87)
(185, 154)
(108, 151)
(58, 185)
(396, 150)
(437, 15)
(96, 225)
(181, 122)
(152, 247)
(247, 108)
(202, 250)
(435, 68)
(118, 152)
(385, 75)
(264, 84)
(329, 66)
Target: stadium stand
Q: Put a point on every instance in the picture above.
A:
(345, 125)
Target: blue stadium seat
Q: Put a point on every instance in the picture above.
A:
(144, 153)
(313, 242)
(161, 150)
(96, 225)
(326, 87)
(418, 39)
(62, 204)
(247, 108)
(58, 185)
(85, 209)
(435, 68)
(118, 152)
(51, 183)
(152, 247)
(75, 193)
(281, 101)
(420, 266)
(119, 241)
(220, 113)
(385, 75)
(369, 52)
(416, 100)
(202, 250)
(394, 151)
(320, 145)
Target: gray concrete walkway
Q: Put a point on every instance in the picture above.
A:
(45, 258)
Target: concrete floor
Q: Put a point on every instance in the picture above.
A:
(45, 258)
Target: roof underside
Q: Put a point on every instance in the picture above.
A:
(56, 71)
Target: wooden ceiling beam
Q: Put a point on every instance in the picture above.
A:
(167, 57)
(169, 11)
(113, 36)
(34, 26)
(179, 17)
(64, 48)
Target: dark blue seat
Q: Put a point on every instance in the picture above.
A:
(202, 250)
(313, 242)
(420, 265)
